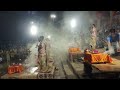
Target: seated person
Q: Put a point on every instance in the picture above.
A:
(112, 40)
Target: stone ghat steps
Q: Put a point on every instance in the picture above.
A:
(68, 72)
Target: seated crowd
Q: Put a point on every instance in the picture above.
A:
(14, 53)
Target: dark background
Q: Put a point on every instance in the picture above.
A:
(14, 25)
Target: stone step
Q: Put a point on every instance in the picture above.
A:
(68, 72)
(78, 69)
(60, 72)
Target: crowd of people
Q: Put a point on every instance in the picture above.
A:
(13, 52)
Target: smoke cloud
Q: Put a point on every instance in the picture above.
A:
(64, 37)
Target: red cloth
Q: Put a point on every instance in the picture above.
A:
(11, 69)
(15, 69)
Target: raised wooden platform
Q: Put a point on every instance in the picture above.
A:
(49, 75)
(108, 67)
(106, 70)
(99, 71)
(22, 75)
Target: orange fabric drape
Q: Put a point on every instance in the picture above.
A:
(97, 58)
(11, 69)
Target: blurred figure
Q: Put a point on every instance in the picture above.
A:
(112, 40)
(93, 32)
(11, 55)
(42, 58)
(48, 48)
(118, 44)
(0, 59)
(8, 57)
(118, 32)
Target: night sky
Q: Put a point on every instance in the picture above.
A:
(14, 24)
